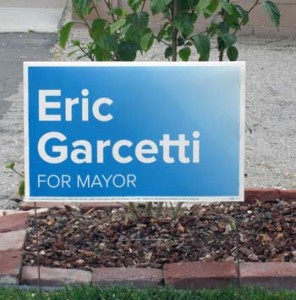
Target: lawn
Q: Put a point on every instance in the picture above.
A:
(95, 293)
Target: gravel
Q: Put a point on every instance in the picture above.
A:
(89, 238)
(270, 149)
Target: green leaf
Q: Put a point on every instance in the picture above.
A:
(107, 42)
(163, 31)
(203, 46)
(185, 5)
(180, 41)
(168, 52)
(102, 54)
(232, 53)
(64, 34)
(98, 28)
(223, 28)
(21, 189)
(184, 22)
(273, 12)
(76, 43)
(228, 7)
(117, 25)
(81, 7)
(117, 11)
(127, 51)
(232, 20)
(10, 165)
(147, 41)
(202, 6)
(229, 39)
(135, 4)
(141, 19)
(243, 14)
(211, 8)
(213, 29)
(158, 6)
(185, 53)
(133, 33)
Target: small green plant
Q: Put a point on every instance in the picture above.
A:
(127, 31)
(21, 189)
(153, 209)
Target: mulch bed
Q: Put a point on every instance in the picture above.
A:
(74, 238)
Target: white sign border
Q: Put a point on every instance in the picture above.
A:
(239, 198)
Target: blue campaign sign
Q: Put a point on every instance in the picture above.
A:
(134, 131)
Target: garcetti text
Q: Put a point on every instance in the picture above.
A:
(55, 147)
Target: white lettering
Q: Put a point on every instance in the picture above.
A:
(84, 152)
(100, 150)
(96, 109)
(141, 150)
(83, 183)
(116, 149)
(52, 150)
(44, 105)
(131, 180)
(69, 104)
(60, 150)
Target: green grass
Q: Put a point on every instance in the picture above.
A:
(95, 293)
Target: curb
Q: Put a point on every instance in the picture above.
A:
(251, 195)
(183, 275)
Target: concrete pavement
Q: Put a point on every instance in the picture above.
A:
(31, 15)
(14, 49)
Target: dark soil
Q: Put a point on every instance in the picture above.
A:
(74, 238)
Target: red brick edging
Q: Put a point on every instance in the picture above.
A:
(13, 226)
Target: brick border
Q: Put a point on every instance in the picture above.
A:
(192, 275)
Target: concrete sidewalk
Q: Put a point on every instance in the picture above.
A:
(14, 49)
(31, 15)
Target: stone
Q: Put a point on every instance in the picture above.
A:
(7, 212)
(13, 240)
(137, 277)
(12, 222)
(272, 275)
(85, 207)
(52, 277)
(10, 267)
(39, 212)
(288, 195)
(30, 205)
(251, 195)
(200, 275)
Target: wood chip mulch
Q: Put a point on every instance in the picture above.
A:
(74, 238)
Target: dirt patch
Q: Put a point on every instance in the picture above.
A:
(74, 238)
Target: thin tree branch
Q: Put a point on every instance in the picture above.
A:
(246, 15)
(85, 22)
(174, 30)
(110, 7)
(17, 172)
(143, 5)
(95, 8)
